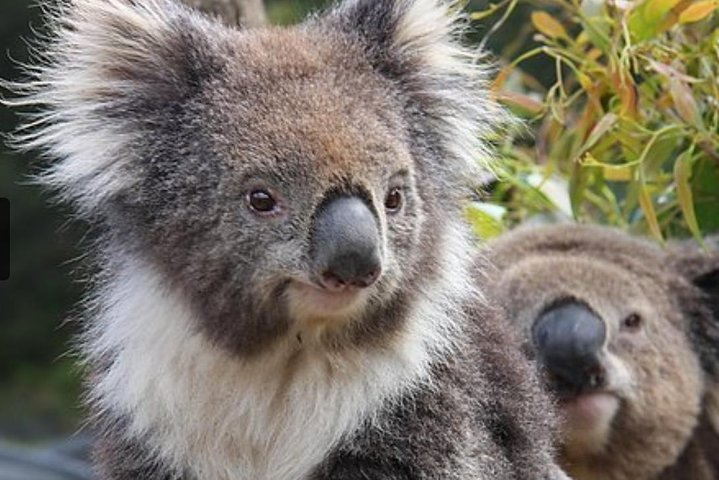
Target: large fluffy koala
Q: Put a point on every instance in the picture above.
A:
(628, 333)
(286, 286)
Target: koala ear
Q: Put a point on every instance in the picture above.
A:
(701, 268)
(700, 302)
(405, 35)
(417, 45)
(108, 68)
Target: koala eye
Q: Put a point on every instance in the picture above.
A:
(632, 322)
(393, 201)
(262, 202)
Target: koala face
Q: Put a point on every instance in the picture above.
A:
(294, 183)
(293, 200)
(610, 320)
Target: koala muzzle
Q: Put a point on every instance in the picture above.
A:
(569, 339)
(345, 245)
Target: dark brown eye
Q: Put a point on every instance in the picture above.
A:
(393, 201)
(632, 322)
(261, 201)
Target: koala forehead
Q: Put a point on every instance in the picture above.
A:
(536, 282)
(293, 96)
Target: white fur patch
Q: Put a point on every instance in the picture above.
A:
(275, 417)
(430, 31)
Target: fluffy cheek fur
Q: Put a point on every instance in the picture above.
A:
(662, 405)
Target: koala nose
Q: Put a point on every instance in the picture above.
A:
(345, 244)
(569, 339)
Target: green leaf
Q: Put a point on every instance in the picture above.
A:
(578, 186)
(645, 20)
(485, 219)
(598, 33)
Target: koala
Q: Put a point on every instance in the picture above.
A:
(285, 287)
(627, 334)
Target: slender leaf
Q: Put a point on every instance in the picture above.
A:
(650, 214)
(682, 177)
(548, 25)
(698, 11)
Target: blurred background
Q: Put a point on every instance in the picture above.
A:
(621, 136)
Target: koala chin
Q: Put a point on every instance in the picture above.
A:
(285, 287)
(627, 334)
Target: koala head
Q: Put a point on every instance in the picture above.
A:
(627, 335)
(300, 182)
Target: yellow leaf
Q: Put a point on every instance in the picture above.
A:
(617, 173)
(624, 86)
(612, 173)
(594, 54)
(698, 11)
(524, 103)
(481, 15)
(584, 81)
(645, 202)
(654, 10)
(548, 25)
(682, 175)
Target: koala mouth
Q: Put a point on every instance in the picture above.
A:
(587, 424)
(589, 407)
(572, 380)
(587, 403)
(309, 302)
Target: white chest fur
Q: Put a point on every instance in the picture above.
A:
(272, 418)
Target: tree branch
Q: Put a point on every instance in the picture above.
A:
(248, 13)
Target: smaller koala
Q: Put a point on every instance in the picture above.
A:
(627, 334)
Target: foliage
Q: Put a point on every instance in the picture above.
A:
(284, 12)
(628, 132)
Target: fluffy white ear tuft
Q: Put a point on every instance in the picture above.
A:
(417, 44)
(428, 31)
(107, 68)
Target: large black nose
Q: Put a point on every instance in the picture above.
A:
(569, 339)
(345, 244)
